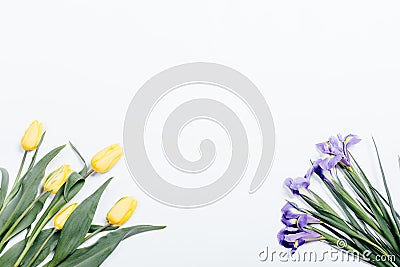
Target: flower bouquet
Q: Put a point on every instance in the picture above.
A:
(30, 206)
(358, 219)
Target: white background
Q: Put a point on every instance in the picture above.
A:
(323, 67)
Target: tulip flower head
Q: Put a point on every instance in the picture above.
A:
(105, 159)
(57, 178)
(63, 215)
(121, 211)
(31, 138)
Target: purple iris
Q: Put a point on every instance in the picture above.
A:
(349, 140)
(337, 149)
(322, 173)
(292, 238)
(299, 185)
(292, 217)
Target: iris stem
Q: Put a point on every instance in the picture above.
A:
(20, 218)
(96, 232)
(39, 250)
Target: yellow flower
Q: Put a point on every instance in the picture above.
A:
(32, 136)
(106, 158)
(63, 215)
(121, 211)
(57, 178)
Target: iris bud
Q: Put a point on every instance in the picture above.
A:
(121, 211)
(31, 138)
(57, 178)
(106, 158)
(63, 215)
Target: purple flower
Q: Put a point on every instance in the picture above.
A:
(349, 140)
(298, 186)
(290, 210)
(293, 238)
(292, 217)
(322, 173)
(337, 150)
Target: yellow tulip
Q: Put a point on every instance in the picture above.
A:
(121, 211)
(31, 138)
(106, 158)
(63, 215)
(57, 178)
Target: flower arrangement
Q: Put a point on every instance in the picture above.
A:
(358, 219)
(24, 208)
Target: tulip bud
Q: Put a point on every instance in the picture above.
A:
(121, 211)
(31, 138)
(63, 215)
(105, 159)
(57, 178)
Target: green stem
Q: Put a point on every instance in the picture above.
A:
(20, 218)
(95, 232)
(31, 240)
(20, 168)
(39, 250)
(16, 182)
(42, 223)
(46, 217)
(89, 173)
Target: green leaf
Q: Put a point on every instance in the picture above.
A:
(29, 190)
(343, 207)
(46, 250)
(12, 254)
(380, 239)
(75, 183)
(77, 226)
(355, 207)
(342, 226)
(84, 170)
(376, 195)
(379, 211)
(95, 227)
(333, 221)
(16, 187)
(4, 185)
(10, 208)
(96, 254)
(358, 187)
(352, 242)
(393, 211)
(30, 217)
(385, 200)
(334, 241)
(322, 214)
(323, 204)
